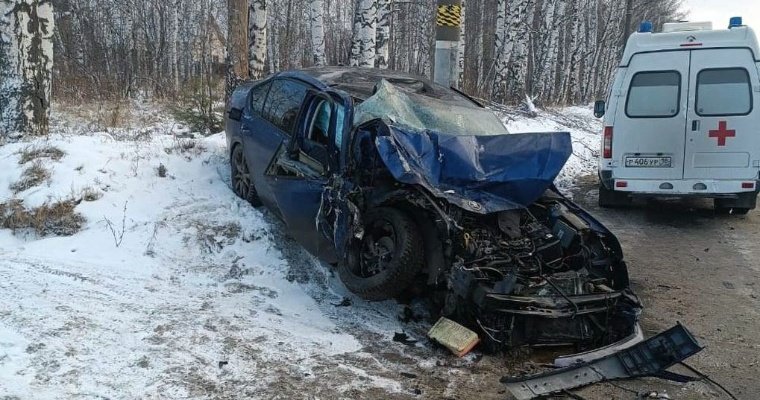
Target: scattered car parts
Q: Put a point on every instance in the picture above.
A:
(648, 358)
(455, 337)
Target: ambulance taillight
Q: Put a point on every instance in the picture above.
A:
(607, 150)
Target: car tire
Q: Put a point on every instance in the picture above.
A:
(386, 261)
(242, 181)
(610, 198)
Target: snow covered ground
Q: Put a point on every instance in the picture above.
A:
(175, 288)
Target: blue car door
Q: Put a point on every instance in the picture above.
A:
(301, 170)
(268, 125)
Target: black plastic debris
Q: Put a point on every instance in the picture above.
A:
(403, 338)
(346, 302)
(648, 358)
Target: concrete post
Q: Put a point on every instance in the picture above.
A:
(448, 22)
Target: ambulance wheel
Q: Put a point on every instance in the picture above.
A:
(739, 206)
(731, 211)
(611, 199)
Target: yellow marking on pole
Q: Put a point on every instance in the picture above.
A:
(449, 15)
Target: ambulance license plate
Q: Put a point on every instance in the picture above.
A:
(648, 162)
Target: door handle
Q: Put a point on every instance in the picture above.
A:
(695, 125)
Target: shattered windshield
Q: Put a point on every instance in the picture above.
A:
(421, 112)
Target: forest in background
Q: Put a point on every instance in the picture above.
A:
(193, 52)
(555, 51)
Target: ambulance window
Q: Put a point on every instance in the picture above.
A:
(654, 94)
(723, 92)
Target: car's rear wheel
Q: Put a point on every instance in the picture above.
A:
(242, 181)
(610, 198)
(387, 259)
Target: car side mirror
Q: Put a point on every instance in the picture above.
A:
(599, 108)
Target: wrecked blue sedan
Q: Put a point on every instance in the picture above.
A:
(405, 185)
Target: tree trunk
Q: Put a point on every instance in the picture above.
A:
(26, 64)
(318, 32)
(626, 25)
(237, 44)
(383, 36)
(461, 47)
(522, 14)
(501, 59)
(363, 44)
(173, 59)
(257, 38)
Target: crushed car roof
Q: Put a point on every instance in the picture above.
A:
(360, 82)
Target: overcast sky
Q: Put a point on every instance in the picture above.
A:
(720, 11)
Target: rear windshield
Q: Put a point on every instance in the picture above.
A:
(723, 92)
(654, 94)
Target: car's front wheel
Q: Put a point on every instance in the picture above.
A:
(242, 181)
(387, 259)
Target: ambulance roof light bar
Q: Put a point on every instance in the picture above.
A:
(685, 26)
(646, 27)
(735, 22)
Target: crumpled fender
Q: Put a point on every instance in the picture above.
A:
(338, 218)
(483, 174)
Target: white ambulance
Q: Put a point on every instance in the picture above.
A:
(683, 117)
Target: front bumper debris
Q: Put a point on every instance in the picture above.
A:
(580, 358)
(648, 358)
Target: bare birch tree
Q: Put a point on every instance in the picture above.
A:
(363, 44)
(383, 36)
(318, 32)
(257, 38)
(173, 38)
(461, 48)
(26, 65)
(502, 48)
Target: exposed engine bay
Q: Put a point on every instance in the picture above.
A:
(477, 219)
(538, 276)
(543, 274)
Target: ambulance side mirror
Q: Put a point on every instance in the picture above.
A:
(599, 108)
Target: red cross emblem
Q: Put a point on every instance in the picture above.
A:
(722, 133)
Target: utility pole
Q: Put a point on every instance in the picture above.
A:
(447, 25)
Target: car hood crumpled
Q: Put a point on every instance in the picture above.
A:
(483, 174)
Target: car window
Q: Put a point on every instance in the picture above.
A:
(320, 125)
(258, 95)
(283, 103)
(654, 94)
(340, 113)
(722, 92)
